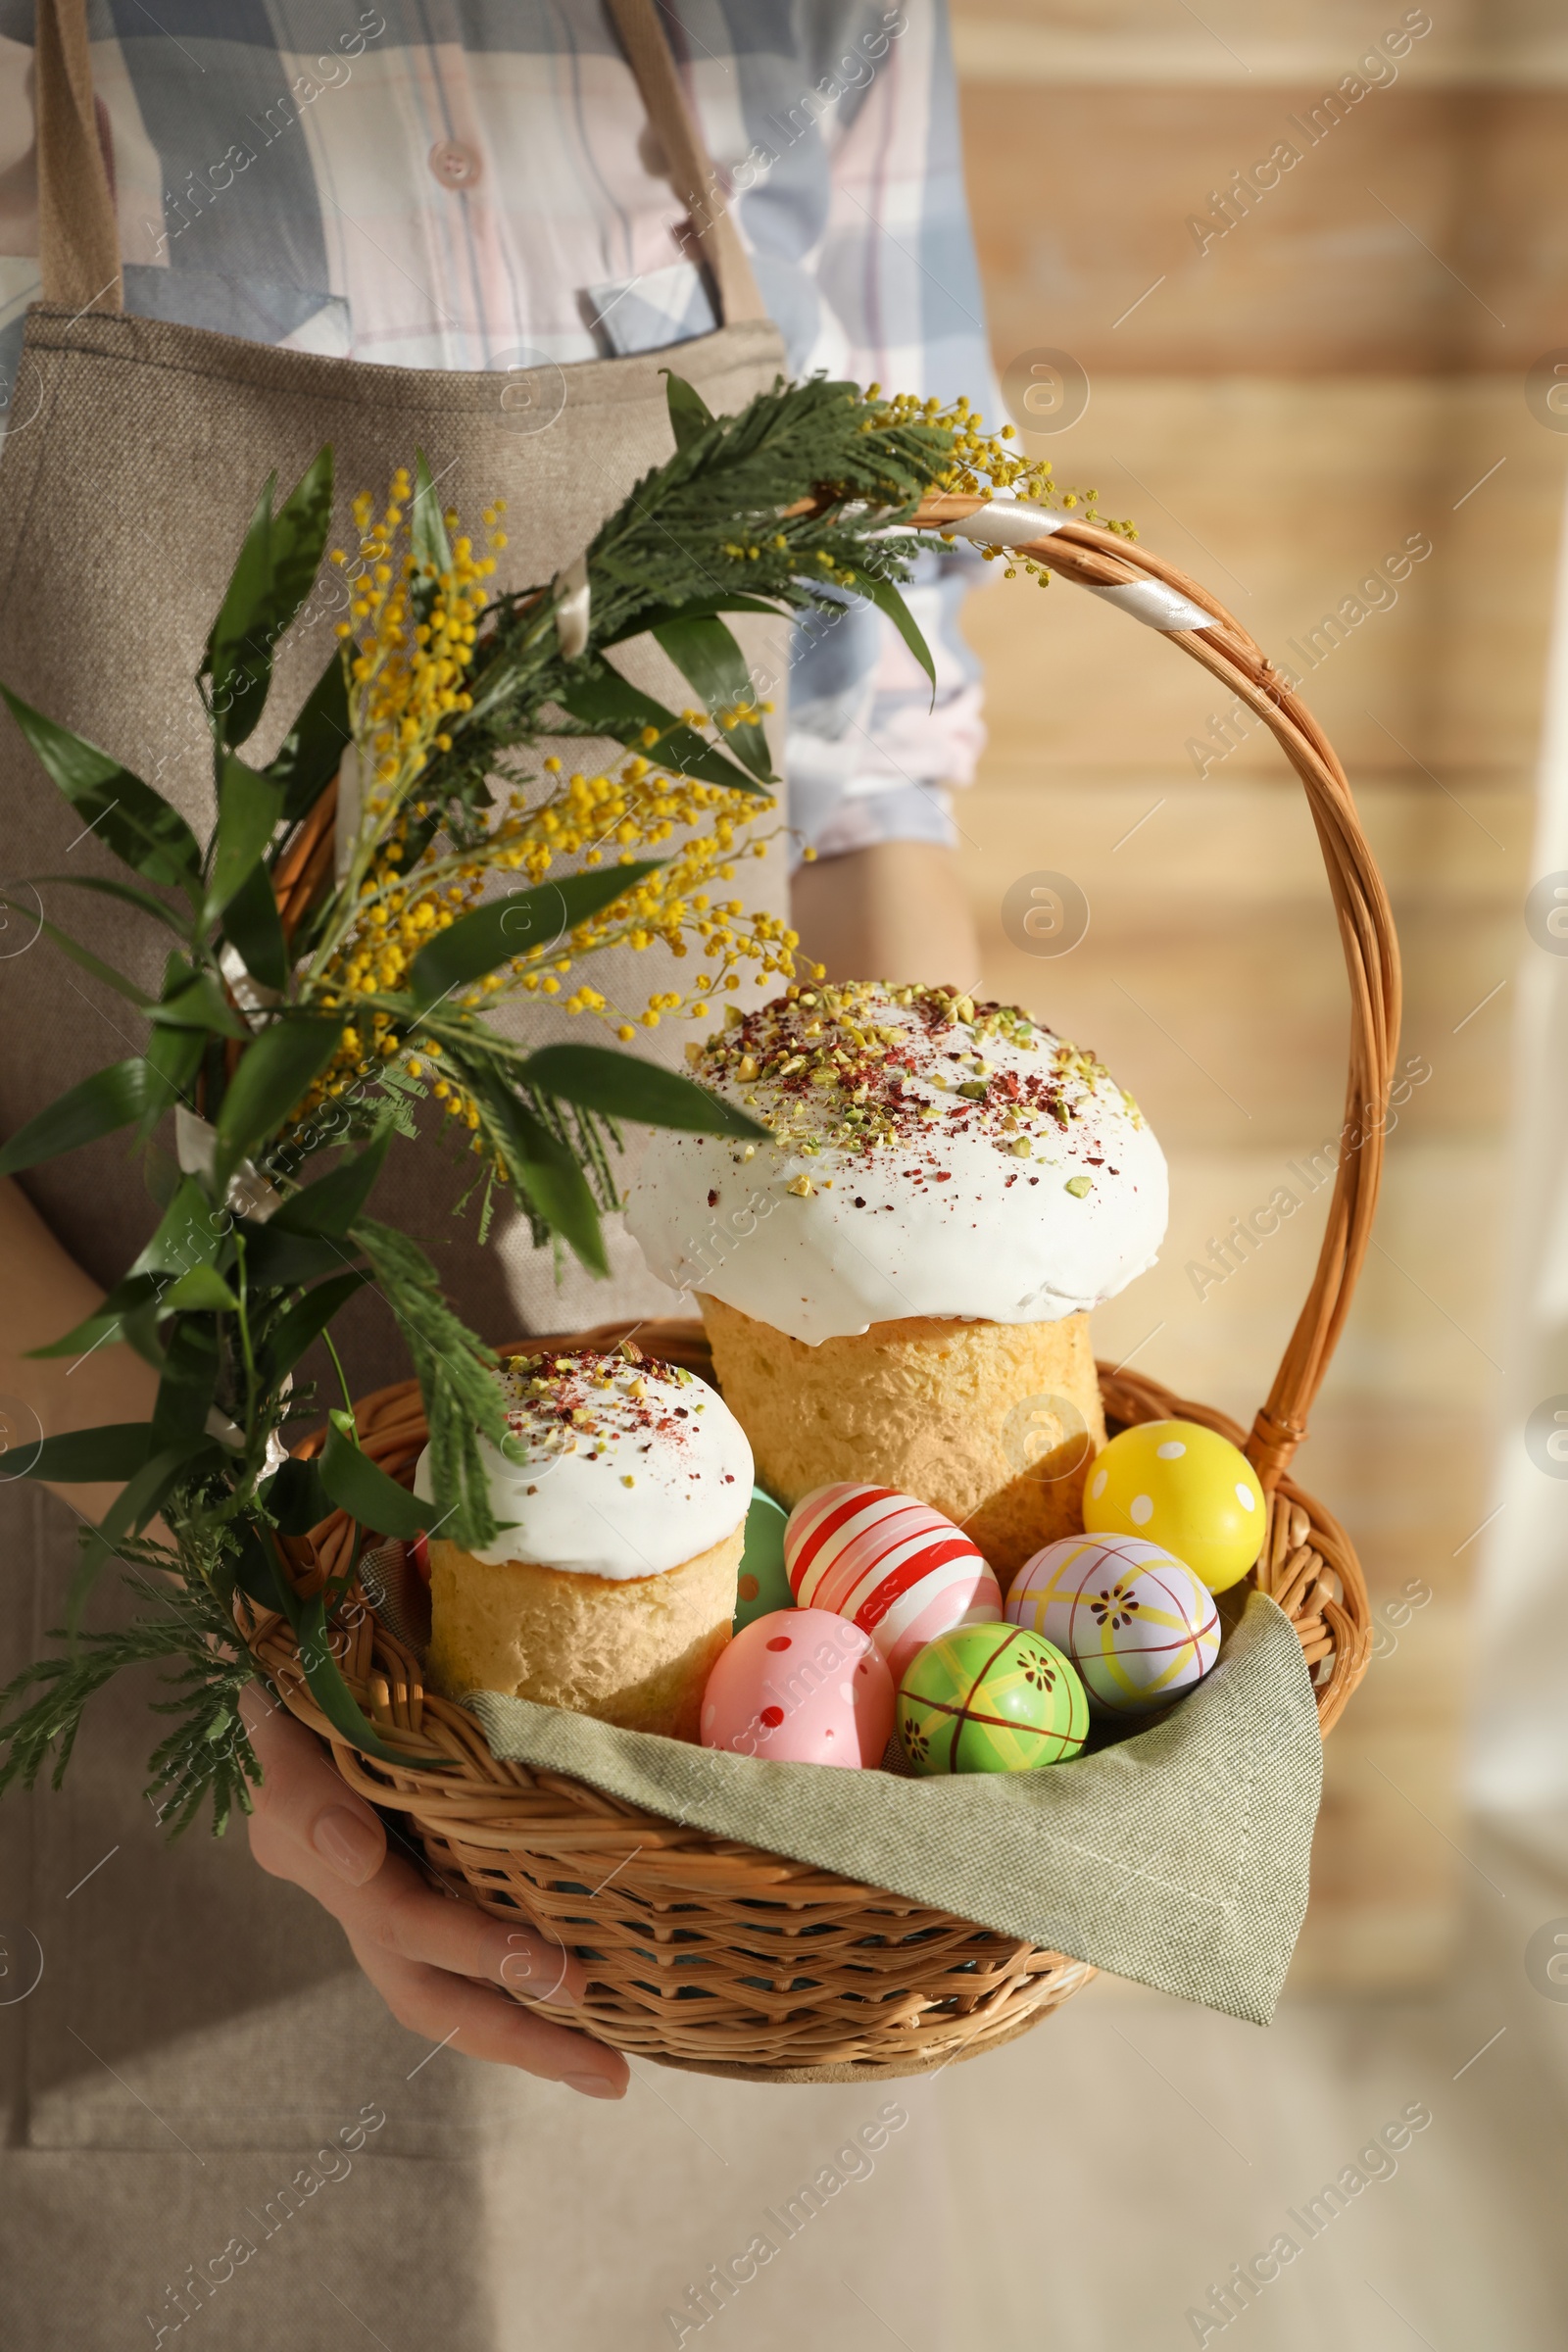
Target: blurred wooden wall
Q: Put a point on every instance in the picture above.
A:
(1342, 373)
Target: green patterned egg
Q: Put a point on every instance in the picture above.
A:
(990, 1698)
(763, 1584)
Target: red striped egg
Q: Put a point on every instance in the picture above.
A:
(892, 1566)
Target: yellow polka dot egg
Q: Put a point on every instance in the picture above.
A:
(1186, 1487)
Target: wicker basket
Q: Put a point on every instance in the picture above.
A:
(712, 1955)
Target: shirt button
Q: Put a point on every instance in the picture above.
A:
(454, 165)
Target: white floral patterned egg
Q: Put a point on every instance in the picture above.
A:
(1140, 1627)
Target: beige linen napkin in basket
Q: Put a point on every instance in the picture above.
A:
(1178, 1857)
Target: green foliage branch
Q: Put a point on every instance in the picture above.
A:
(254, 1254)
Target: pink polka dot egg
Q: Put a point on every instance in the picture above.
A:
(1186, 1487)
(895, 1567)
(1140, 1627)
(800, 1687)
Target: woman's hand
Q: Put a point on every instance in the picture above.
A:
(420, 1950)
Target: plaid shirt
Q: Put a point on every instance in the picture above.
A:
(473, 185)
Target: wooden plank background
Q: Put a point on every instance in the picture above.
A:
(1343, 372)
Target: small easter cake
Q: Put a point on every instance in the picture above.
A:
(897, 1288)
(612, 1589)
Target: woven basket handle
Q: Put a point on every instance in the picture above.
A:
(1095, 559)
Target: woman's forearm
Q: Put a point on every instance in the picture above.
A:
(895, 911)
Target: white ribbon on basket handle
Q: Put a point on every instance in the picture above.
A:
(1011, 522)
(573, 596)
(345, 816)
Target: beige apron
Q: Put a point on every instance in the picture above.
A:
(198, 2032)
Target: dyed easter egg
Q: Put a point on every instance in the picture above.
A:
(763, 1583)
(800, 1687)
(1136, 1622)
(991, 1698)
(892, 1566)
(1185, 1488)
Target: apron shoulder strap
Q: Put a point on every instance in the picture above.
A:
(78, 235)
(691, 172)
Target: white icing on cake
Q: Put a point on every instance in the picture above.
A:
(931, 1157)
(624, 1469)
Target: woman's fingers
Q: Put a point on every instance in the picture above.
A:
(449, 2009)
(416, 1945)
(402, 1915)
(303, 1800)
(309, 1826)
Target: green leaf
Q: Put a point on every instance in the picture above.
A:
(261, 1574)
(544, 1171)
(312, 749)
(887, 599)
(607, 704)
(655, 617)
(203, 1290)
(282, 1262)
(275, 1071)
(173, 1058)
(271, 580)
(84, 1336)
(140, 1500)
(145, 1490)
(557, 1189)
(329, 1690)
(249, 807)
(296, 1499)
(138, 1328)
(707, 657)
(427, 530)
(187, 1391)
(237, 663)
(108, 1100)
(114, 1451)
(252, 926)
(186, 1234)
(602, 700)
(689, 753)
(174, 1273)
(82, 956)
(689, 414)
(302, 1324)
(178, 972)
(358, 1486)
(200, 1003)
(140, 898)
(299, 540)
(257, 1571)
(135, 1291)
(519, 925)
(127, 816)
(623, 1087)
(332, 1202)
(173, 1050)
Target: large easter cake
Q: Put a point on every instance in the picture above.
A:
(897, 1289)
